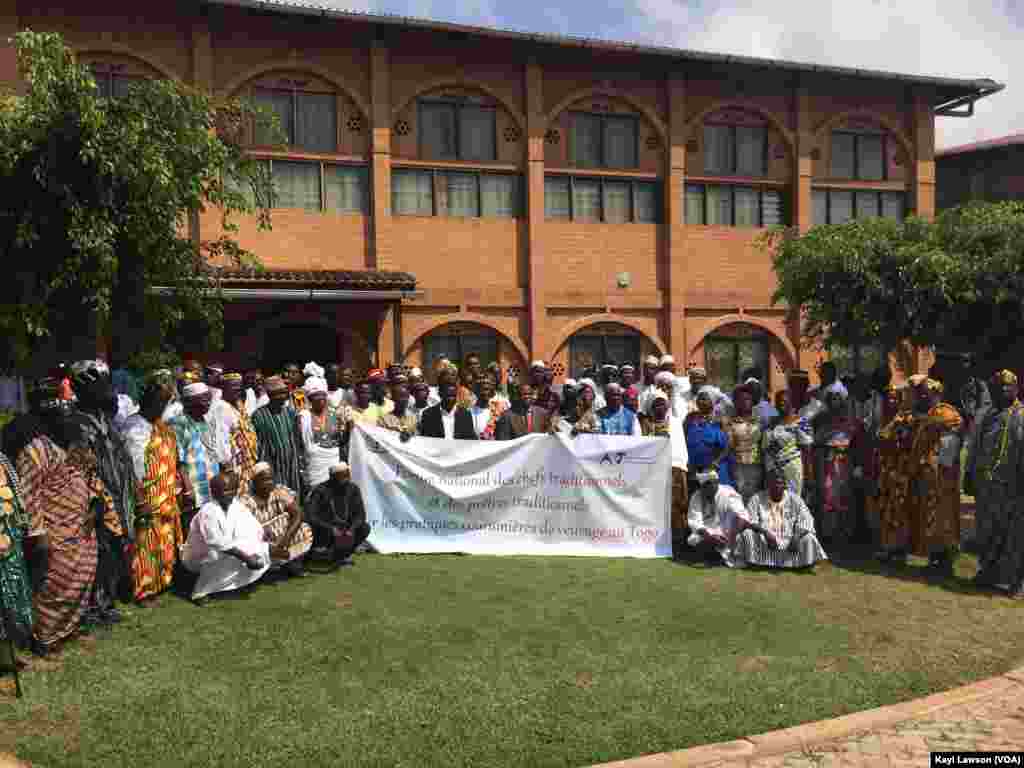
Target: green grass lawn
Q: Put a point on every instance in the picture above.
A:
(482, 661)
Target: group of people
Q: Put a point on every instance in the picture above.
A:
(116, 487)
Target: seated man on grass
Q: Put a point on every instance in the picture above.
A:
(336, 513)
(781, 530)
(716, 516)
(277, 510)
(225, 545)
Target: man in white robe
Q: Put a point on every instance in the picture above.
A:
(682, 402)
(716, 517)
(225, 544)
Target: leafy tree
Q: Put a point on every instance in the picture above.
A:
(955, 284)
(97, 199)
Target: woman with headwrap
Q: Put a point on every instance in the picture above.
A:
(706, 442)
(321, 432)
(744, 432)
(154, 451)
(15, 587)
(835, 431)
(786, 444)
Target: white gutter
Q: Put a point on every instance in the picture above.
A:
(301, 294)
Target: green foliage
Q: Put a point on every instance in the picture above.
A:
(956, 283)
(97, 200)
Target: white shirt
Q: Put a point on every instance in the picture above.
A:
(126, 408)
(723, 516)
(173, 410)
(212, 533)
(136, 432)
(252, 402)
(680, 456)
(319, 460)
(222, 418)
(481, 418)
(448, 421)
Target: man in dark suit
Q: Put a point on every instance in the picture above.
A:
(524, 418)
(448, 420)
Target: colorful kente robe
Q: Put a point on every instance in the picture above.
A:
(244, 447)
(158, 533)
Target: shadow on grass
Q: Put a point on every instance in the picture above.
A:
(860, 562)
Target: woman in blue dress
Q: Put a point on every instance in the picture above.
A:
(707, 443)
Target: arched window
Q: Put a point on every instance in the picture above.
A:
(732, 350)
(606, 343)
(314, 118)
(115, 74)
(456, 340)
(860, 359)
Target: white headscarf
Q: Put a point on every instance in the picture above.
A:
(314, 370)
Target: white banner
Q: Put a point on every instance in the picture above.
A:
(539, 495)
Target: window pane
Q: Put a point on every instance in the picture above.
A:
(718, 149)
(585, 352)
(616, 202)
(694, 204)
(476, 134)
(411, 193)
(586, 200)
(720, 356)
(842, 155)
(840, 206)
(646, 203)
(752, 353)
(870, 158)
(867, 205)
(750, 150)
(438, 345)
(586, 141)
(477, 343)
(620, 142)
(345, 189)
(556, 197)
(499, 195)
(747, 214)
(623, 349)
(771, 208)
(437, 131)
(819, 197)
(296, 185)
(458, 195)
(892, 205)
(280, 103)
(719, 206)
(317, 126)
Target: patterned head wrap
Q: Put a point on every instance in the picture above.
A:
(312, 369)
(416, 373)
(275, 384)
(651, 360)
(193, 391)
(707, 477)
(315, 386)
(1005, 377)
(375, 374)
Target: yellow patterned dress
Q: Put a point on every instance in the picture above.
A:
(894, 474)
(158, 534)
(935, 501)
(245, 449)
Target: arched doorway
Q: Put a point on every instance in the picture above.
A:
(602, 343)
(301, 343)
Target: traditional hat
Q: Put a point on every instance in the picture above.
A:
(215, 367)
(416, 373)
(197, 389)
(609, 367)
(375, 373)
(697, 370)
(315, 385)
(707, 477)
(664, 377)
(627, 367)
(312, 369)
(651, 360)
(262, 468)
(538, 364)
(274, 384)
(233, 376)
(1005, 377)
(667, 360)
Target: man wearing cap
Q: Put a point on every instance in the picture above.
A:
(419, 400)
(780, 532)
(607, 376)
(995, 477)
(277, 431)
(716, 517)
(337, 515)
(683, 397)
(197, 450)
(225, 546)
(615, 418)
(650, 371)
(277, 510)
(214, 374)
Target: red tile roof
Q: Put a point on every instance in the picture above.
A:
(350, 280)
(981, 146)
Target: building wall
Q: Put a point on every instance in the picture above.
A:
(991, 175)
(533, 281)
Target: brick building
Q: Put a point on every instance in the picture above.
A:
(449, 188)
(990, 170)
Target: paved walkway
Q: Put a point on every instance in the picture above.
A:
(983, 716)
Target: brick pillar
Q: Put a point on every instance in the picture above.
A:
(535, 128)
(675, 232)
(803, 204)
(922, 160)
(10, 24)
(380, 118)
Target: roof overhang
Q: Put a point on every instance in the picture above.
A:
(310, 285)
(953, 97)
